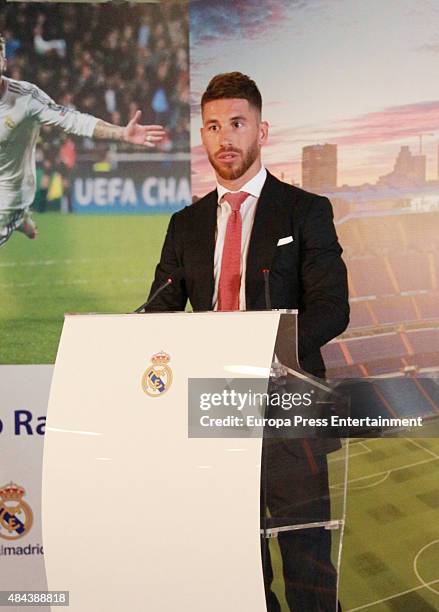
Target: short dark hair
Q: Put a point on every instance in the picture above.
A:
(233, 85)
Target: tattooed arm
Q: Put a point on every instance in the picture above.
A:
(44, 110)
(134, 133)
(104, 130)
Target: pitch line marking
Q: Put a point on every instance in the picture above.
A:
(32, 263)
(378, 601)
(427, 585)
(43, 262)
(78, 281)
(365, 450)
(366, 486)
(398, 469)
(427, 450)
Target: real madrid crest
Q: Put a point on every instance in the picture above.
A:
(158, 377)
(16, 516)
(10, 123)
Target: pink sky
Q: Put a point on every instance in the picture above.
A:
(325, 79)
(356, 137)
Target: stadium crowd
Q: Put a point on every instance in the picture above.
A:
(106, 60)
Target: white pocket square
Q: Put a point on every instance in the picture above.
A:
(285, 240)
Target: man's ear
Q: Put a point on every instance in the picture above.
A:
(263, 132)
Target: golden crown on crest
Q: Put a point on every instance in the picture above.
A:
(11, 492)
(160, 358)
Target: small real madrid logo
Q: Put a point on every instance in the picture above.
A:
(158, 377)
(16, 516)
(10, 123)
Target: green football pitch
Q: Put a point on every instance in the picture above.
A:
(390, 560)
(390, 553)
(76, 264)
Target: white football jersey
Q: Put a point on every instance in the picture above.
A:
(23, 108)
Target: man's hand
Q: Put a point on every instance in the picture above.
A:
(145, 135)
(134, 133)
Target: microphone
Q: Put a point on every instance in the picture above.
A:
(266, 273)
(172, 279)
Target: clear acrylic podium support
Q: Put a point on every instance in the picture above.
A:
(303, 503)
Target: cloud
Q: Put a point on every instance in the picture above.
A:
(430, 47)
(366, 143)
(216, 21)
(390, 124)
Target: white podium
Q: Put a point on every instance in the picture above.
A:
(136, 515)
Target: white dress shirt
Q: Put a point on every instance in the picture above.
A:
(248, 210)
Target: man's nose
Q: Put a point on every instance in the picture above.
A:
(225, 137)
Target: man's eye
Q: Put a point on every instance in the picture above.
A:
(213, 128)
(237, 124)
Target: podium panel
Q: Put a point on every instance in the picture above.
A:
(136, 515)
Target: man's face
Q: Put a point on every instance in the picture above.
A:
(232, 135)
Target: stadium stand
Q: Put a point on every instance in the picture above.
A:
(428, 305)
(106, 60)
(393, 264)
(394, 309)
(364, 279)
(411, 270)
(361, 314)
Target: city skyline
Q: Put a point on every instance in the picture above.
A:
(331, 82)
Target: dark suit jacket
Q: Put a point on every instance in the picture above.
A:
(307, 274)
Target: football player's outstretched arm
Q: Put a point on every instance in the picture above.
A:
(134, 133)
(44, 110)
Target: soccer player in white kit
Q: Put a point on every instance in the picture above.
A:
(23, 108)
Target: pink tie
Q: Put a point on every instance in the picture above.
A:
(230, 276)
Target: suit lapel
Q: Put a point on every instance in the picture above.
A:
(262, 247)
(263, 241)
(204, 244)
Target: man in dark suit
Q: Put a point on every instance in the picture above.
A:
(252, 222)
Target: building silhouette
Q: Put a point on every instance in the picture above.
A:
(319, 167)
(409, 170)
